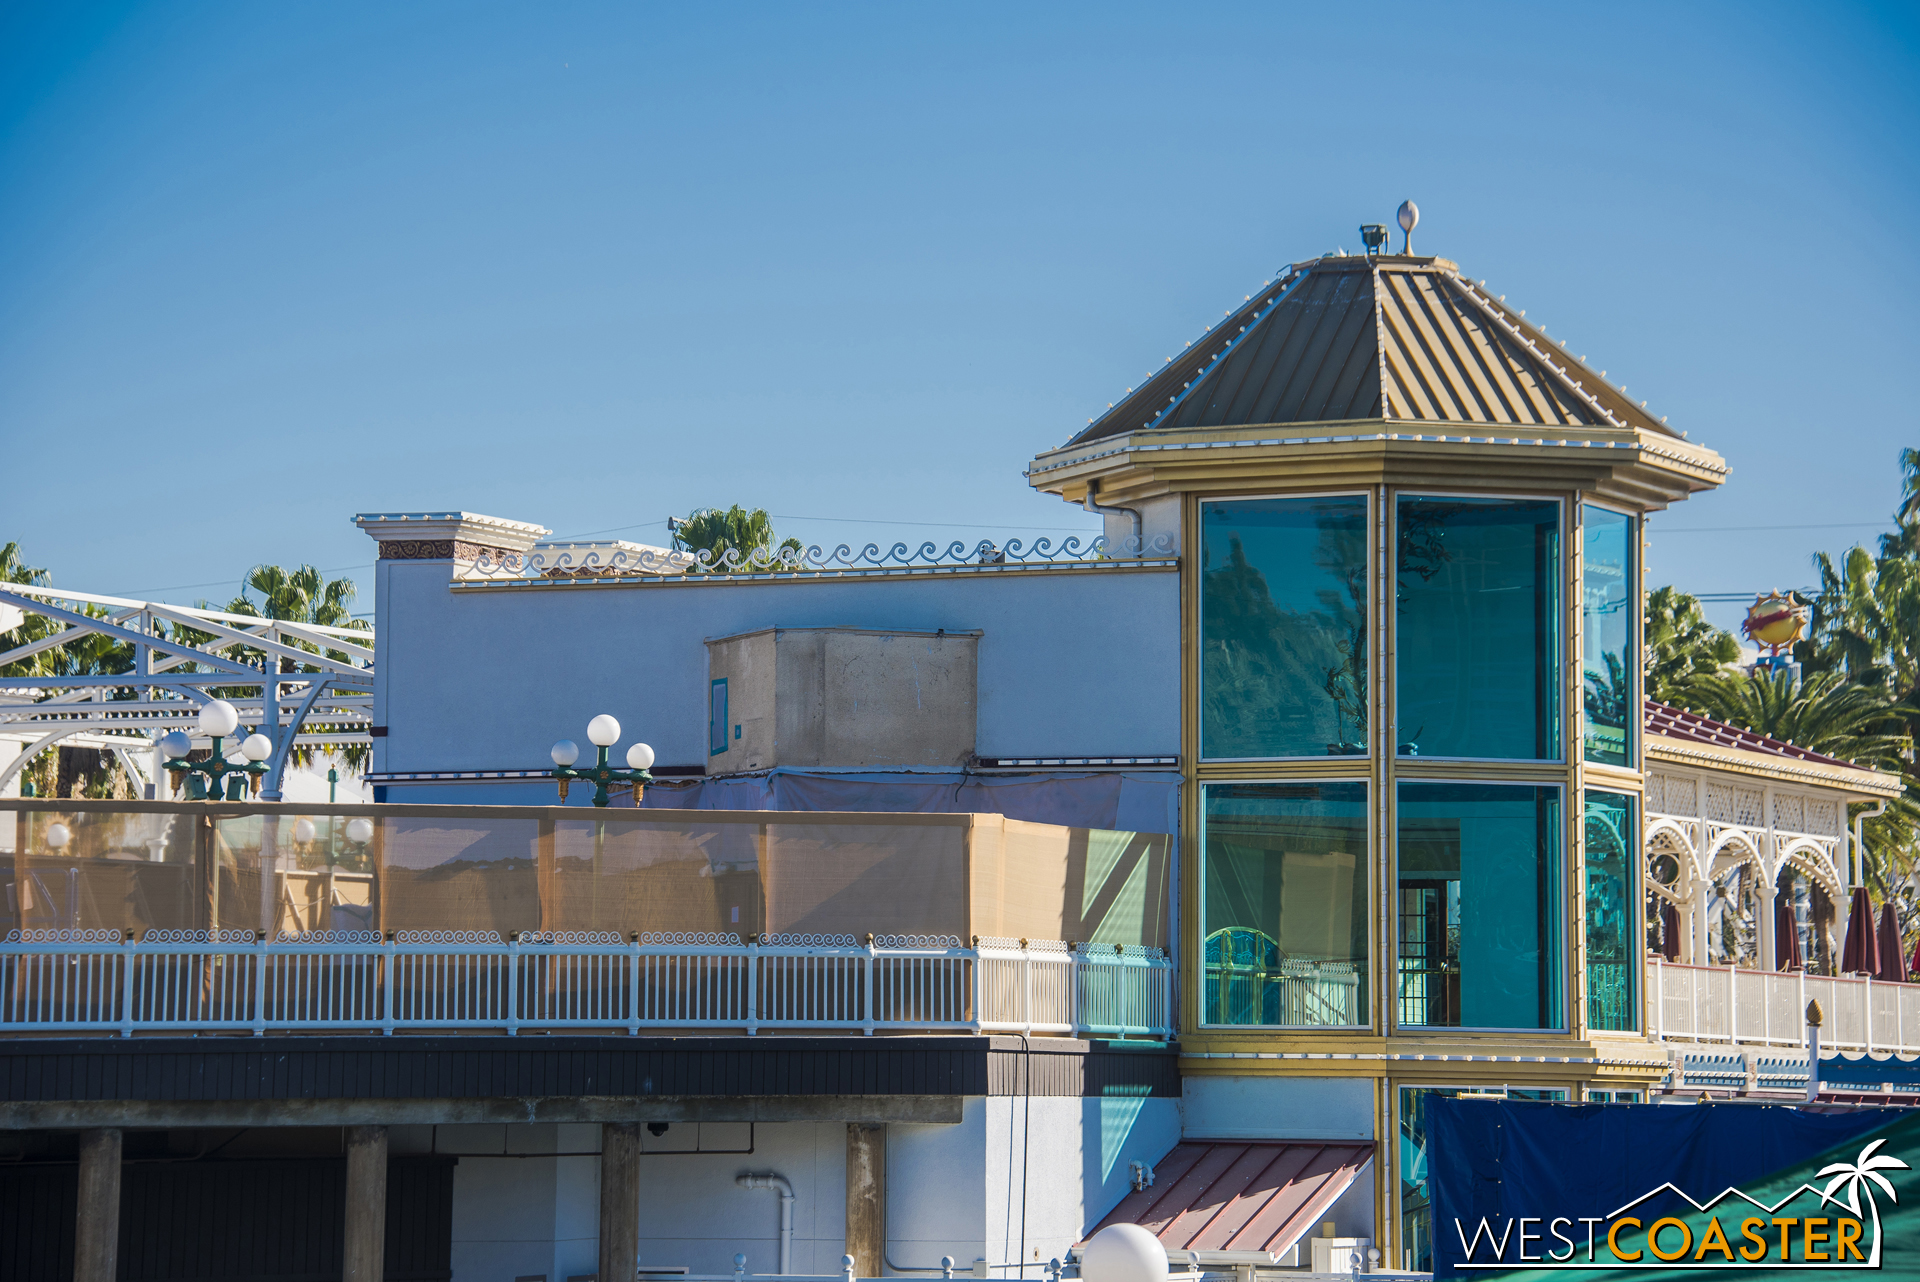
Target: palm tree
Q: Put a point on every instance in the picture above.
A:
(1681, 644)
(1855, 1175)
(731, 538)
(301, 595)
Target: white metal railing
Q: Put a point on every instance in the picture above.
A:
(1736, 1007)
(93, 981)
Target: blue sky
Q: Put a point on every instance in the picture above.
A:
(264, 266)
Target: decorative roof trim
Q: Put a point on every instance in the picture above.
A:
(1715, 466)
(1854, 779)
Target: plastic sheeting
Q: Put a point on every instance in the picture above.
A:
(144, 866)
(1504, 1159)
(1869, 1072)
(1128, 801)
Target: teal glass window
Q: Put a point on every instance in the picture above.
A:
(1285, 904)
(1478, 628)
(1416, 1204)
(1607, 658)
(1283, 624)
(1479, 898)
(1613, 914)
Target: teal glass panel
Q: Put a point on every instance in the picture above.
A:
(1285, 904)
(1479, 898)
(1283, 624)
(1613, 914)
(1416, 1205)
(1607, 658)
(1478, 631)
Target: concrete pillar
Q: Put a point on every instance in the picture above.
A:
(619, 1200)
(96, 1225)
(867, 1199)
(365, 1258)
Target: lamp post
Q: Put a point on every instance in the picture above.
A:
(603, 732)
(217, 721)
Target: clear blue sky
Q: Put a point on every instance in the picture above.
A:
(266, 265)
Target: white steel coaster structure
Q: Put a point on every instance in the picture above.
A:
(127, 712)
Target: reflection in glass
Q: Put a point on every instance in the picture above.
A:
(1284, 627)
(1613, 960)
(1416, 1204)
(1479, 897)
(1478, 632)
(1286, 904)
(1606, 631)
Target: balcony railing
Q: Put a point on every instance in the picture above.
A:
(92, 981)
(1728, 1005)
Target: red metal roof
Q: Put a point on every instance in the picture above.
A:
(1670, 722)
(1238, 1195)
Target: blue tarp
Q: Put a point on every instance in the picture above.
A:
(1505, 1159)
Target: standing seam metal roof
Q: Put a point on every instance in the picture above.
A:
(1349, 337)
(1242, 1195)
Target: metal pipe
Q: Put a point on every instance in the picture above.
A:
(781, 1185)
(1139, 544)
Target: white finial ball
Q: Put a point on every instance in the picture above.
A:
(58, 835)
(218, 719)
(639, 756)
(359, 831)
(303, 830)
(1409, 216)
(603, 731)
(174, 745)
(1124, 1253)
(565, 753)
(256, 747)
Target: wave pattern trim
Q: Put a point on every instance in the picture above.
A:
(646, 562)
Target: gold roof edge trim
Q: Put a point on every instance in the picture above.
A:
(1860, 780)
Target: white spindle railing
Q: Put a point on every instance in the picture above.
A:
(1736, 1007)
(92, 981)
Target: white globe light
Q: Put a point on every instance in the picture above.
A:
(603, 731)
(639, 756)
(303, 830)
(58, 835)
(359, 831)
(218, 719)
(566, 752)
(256, 747)
(1124, 1253)
(174, 745)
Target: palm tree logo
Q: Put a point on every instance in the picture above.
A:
(1855, 1176)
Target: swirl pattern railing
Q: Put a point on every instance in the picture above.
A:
(649, 562)
(178, 980)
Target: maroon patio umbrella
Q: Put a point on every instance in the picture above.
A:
(1893, 962)
(1670, 932)
(1786, 937)
(1861, 953)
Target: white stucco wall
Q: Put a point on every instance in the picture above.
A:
(526, 1199)
(961, 1190)
(1070, 664)
(1278, 1108)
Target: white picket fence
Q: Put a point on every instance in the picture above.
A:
(93, 981)
(1724, 1004)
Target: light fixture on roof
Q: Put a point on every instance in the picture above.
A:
(1409, 218)
(1373, 236)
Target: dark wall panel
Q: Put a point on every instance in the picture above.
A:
(272, 1220)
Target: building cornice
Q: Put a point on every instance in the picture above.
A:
(1857, 781)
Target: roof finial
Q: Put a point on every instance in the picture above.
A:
(1409, 219)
